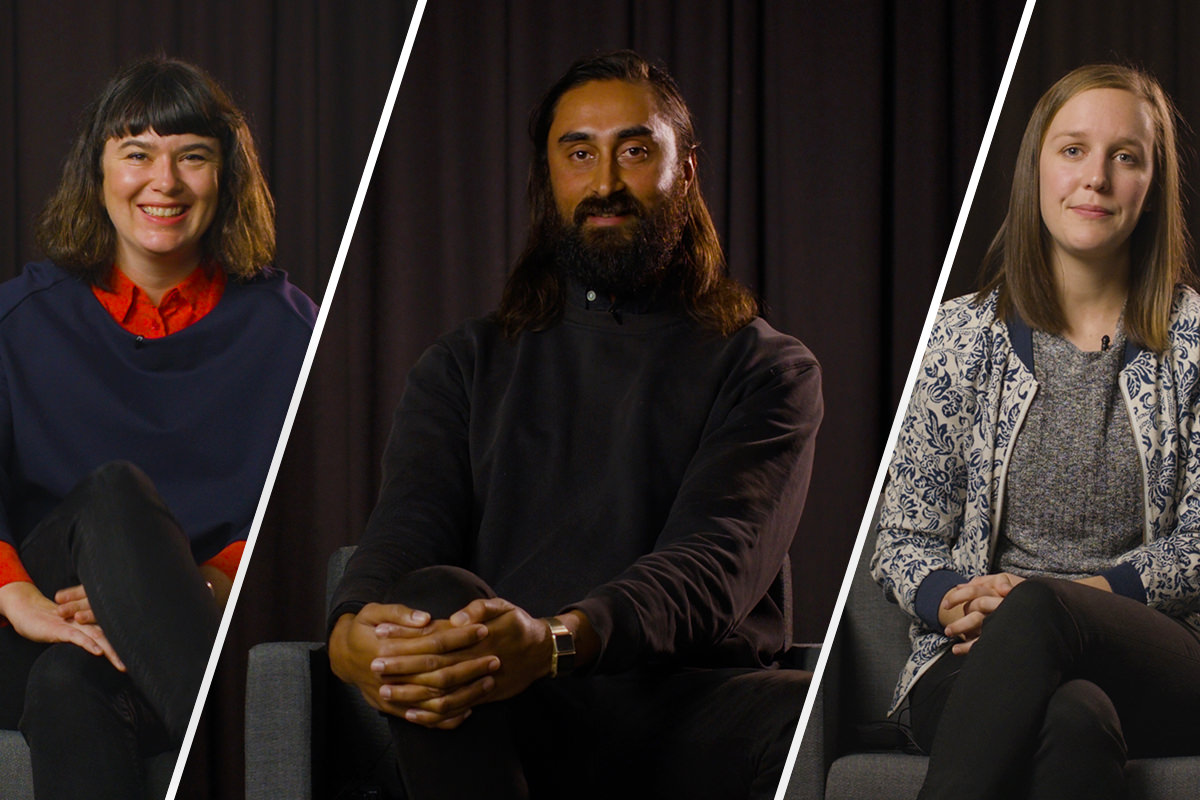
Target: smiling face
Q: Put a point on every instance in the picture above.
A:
(1096, 168)
(161, 193)
(608, 137)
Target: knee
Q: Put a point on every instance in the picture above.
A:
(66, 681)
(1080, 715)
(1031, 607)
(440, 590)
(120, 480)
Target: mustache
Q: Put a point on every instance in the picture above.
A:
(617, 204)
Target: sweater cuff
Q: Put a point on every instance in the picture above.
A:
(11, 568)
(930, 594)
(1125, 581)
(228, 559)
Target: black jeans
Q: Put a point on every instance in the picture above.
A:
(695, 733)
(88, 726)
(1065, 682)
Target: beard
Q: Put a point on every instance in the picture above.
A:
(623, 260)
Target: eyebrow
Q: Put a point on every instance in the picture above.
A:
(624, 133)
(147, 146)
(1125, 141)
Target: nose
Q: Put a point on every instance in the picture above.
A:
(1098, 169)
(607, 177)
(165, 177)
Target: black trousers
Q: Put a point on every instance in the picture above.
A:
(695, 733)
(89, 727)
(1064, 684)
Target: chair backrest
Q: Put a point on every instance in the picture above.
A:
(874, 642)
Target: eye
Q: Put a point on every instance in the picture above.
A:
(1072, 151)
(136, 155)
(194, 158)
(1127, 158)
(578, 155)
(636, 152)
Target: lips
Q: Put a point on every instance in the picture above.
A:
(1091, 211)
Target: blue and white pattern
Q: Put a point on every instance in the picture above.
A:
(945, 488)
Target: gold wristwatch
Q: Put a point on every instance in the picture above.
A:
(562, 657)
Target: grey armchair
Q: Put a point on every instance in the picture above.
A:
(842, 755)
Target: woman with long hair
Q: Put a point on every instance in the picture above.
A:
(1041, 523)
(145, 371)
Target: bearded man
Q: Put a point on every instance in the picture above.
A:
(569, 586)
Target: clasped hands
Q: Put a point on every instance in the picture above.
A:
(966, 606)
(433, 672)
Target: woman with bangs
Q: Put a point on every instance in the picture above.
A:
(1041, 523)
(145, 371)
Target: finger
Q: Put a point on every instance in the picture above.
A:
(437, 709)
(97, 636)
(481, 610)
(968, 625)
(984, 605)
(70, 594)
(86, 617)
(963, 593)
(453, 722)
(393, 613)
(447, 640)
(443, 678)
(962, 648)
(71, 609)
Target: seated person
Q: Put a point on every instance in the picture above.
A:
(566, 585)
(1041, 523)
(145, 371)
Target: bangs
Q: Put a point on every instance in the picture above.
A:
(169, 100)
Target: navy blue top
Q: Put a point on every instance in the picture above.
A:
(199, 411)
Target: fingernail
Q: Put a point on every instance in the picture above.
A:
(460, 618)
(410, 715)
(377, 665)
(488, 683)
(385, 692)
(419, 617)
(494, 665)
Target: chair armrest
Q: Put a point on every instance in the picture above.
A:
(280, 725)
(820, 739)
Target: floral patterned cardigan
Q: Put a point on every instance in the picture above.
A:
(945, 491)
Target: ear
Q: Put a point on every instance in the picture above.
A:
(687, 169)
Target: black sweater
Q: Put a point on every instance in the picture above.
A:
(634, 467)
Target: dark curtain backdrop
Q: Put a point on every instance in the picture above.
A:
(837, 140)
(312, 78)
(287, 65)
(1157, 35)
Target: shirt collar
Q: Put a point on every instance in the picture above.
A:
(194, 291)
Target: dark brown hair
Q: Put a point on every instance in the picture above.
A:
(1017, 263)
(171, 97)
(534, 294)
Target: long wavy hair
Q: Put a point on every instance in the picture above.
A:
(169, 97)
(1018, 263)
(697, 279)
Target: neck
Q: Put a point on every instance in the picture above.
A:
(1092, 296)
